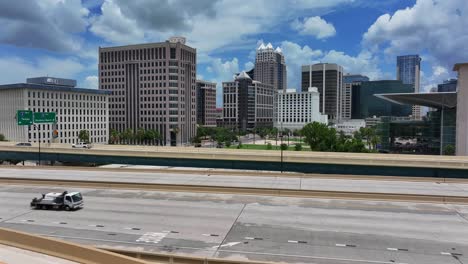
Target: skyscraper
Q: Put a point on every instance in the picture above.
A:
(349, 80)
(328, 78)
(270, 67)
(247, 104)
(408, 71)
(206, 103)
(153, 87)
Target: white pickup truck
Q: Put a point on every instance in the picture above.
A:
(81, 145)
(66, 201)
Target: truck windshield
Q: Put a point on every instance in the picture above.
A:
(77, 197)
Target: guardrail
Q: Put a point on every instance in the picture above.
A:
(241, 190)
(63, 249)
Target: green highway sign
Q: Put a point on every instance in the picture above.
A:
(45, 117)
(24, 117)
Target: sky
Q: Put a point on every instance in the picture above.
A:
(61, 38)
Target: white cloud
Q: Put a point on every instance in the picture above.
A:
(91, 82)
(208, 25)
(47, 24)
(114, 27)
(16, 70)
(314, 26)
(295, 57)
(364, 63)
(223, 71)
(439, 28)
(248, 66)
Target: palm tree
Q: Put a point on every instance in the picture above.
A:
(127, 135)
(140, 135)
(114, 136)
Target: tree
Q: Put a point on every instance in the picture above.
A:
(152, 136)
(127, 135)
(449, 150)
(140, 135)
(83, 136)
(2, 137)
(315, 135)
(114, 136)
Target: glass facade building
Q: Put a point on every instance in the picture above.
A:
(448, 86)
(405, 135)
(365, 104)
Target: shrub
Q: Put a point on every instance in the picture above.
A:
(298, 147)
(269, 147)
(284, 146)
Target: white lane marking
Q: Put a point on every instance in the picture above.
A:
(292, 241)
(151, 237)
(249, 238)
(392, 249)
(230, 244)
(340, 245)
(446, 253)
(310, 257)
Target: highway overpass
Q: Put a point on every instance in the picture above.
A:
(306, 162)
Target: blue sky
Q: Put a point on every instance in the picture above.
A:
(61, 37)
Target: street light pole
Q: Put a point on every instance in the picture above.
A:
(39, 132)
(281, 146)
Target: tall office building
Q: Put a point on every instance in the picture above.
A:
(328, 78)
(76, 109)
(349, 80)
(270, 67)
(408, 71)
(206, 103)
(247, 104)
(366, 105)
(448, 86)
(153, 87)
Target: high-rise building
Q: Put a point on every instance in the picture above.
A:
(247, 103)
(153, 87)
(76, 109)
(349, 80)
(408, 71)
(365, 104)
(328, 78)
(448, 86)
(294, 110)
(270, 67)
(206, 103)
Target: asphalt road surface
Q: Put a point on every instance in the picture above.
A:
(293, 230)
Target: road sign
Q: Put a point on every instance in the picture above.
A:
(24, 117)
(45, 117)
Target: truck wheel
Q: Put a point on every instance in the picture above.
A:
(44, 207)
(67, 208)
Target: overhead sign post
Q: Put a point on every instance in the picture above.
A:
(45, 117)
(42, 118)
(24, 117)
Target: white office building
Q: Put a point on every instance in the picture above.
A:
(349, 127)
(76, 109)
(294, 110)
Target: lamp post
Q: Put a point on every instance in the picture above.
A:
(39, 137)
(281, 140)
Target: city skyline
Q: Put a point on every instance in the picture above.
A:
(227, 33)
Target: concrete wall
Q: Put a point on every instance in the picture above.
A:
(462, 110)
(11, 101)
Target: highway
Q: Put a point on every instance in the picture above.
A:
(206, 178)
(293, 230)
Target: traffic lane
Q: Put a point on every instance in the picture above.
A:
(262, 242)
(140, 213)
(352, 185)
(340, 221)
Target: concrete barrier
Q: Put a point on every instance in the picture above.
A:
(63, 249)
(176, 259)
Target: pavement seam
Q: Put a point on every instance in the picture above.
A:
(230, 229)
